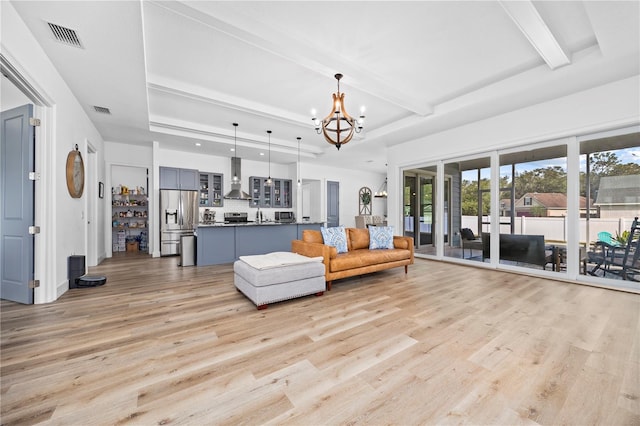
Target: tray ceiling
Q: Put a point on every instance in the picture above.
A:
(182, 72)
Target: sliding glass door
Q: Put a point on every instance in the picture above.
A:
(420, 207)
(558, 203)
(610, 201)
(469, 199)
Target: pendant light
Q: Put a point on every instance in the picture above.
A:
(235, 151)
(299, 138)
(269, 181)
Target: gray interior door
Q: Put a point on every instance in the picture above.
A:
(17, 158)
(333, 203)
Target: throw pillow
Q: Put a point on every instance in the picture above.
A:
(358, 237)
(335, 237)
(380, 237)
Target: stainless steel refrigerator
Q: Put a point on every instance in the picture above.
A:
(178, 218)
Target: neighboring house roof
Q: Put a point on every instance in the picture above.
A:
(620, 190)
(549, 200)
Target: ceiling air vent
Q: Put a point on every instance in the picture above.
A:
(101, 110)
(65, 35)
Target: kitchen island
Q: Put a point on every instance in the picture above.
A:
(224, 243)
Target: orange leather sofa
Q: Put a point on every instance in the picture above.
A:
(359, 259)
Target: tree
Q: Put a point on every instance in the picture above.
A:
(602, 163)
(469, 197)
(543, 180)
(625, 169)
(607, 164)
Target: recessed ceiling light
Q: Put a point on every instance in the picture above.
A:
(232, 149)
(198, 144)
(262, 153)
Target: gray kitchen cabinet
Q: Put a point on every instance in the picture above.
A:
(278, 194)
(281, 196)
(189, 180)
(210, 190)
(169, 178)
(176, 178)
(260, 192)
(218, 244)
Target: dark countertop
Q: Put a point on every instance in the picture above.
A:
(222, 224)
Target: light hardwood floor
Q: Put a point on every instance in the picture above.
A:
(445, 344)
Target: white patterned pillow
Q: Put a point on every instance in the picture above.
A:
(336, 237)
(380, 237)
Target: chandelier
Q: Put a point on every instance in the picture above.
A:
(338, 127)
(382, 191)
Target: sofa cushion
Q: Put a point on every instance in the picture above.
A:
(381, 237)
(401, 242)
(312, 236)
(365, 257)
(277, 259)
(358, 237)
(335, 237)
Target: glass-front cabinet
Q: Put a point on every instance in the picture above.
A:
(210, 190)
(282, 193)
(278, 194)
(260, 192)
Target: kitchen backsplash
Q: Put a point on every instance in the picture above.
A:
(241, 206)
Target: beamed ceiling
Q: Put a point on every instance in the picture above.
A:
(181, 73)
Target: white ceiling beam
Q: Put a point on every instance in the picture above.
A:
(201, 94)
(527, 18)
(171, 126)
(314, 57)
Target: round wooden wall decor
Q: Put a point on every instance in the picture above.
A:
(75, 173)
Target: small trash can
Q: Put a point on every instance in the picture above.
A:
(75, 269)
(188, 250)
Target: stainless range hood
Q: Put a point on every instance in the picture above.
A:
(236, 192)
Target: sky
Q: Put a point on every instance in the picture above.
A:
(628, 155)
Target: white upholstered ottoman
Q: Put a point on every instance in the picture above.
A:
(273, 277)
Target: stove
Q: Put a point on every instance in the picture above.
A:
(234, 217)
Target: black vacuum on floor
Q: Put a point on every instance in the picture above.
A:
(75, 273)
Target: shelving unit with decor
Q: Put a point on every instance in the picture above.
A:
(129, 219)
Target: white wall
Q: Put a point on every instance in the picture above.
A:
(130, 176)
(61, 218)
(605, 107)
(350, 183)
